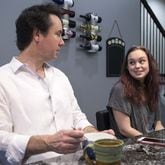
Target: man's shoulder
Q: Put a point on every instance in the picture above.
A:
(4, 68)
(5, 72)
(58, 72)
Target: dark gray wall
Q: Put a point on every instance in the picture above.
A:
(86, 72)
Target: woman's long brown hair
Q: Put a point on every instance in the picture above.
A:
(139, 94)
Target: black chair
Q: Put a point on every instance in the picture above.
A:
(105, 120)
(102, 120)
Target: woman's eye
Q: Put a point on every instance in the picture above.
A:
(142, 61)
(131, 62)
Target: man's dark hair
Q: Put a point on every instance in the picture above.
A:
(34, 18)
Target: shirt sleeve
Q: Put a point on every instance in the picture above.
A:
(118, 101)
(161, 105)
(79, 118)
(12, 144)
(16, 148)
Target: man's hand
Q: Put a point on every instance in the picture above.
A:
(65, 141)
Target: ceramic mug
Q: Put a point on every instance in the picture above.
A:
(104, 152)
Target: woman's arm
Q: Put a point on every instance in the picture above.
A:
(124, 124)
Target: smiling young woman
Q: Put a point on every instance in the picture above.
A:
(134, 99)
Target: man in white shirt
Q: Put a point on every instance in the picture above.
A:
(39, 114)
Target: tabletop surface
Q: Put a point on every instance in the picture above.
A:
(133, 154)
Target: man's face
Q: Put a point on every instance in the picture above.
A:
(50, 44)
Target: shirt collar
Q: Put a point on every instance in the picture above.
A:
(16, 65)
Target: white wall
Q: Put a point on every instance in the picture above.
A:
(158, 7)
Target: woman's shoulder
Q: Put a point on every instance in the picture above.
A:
(117, 90)
(117, 86)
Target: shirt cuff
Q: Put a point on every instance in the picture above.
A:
(16, 148)
(83, 123)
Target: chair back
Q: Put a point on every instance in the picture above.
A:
(102, 120)
(113, 124)
(105, 120)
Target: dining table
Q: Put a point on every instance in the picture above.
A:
(133, 153)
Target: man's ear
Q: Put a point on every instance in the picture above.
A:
(36, 35)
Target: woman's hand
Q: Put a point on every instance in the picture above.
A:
(109, 131)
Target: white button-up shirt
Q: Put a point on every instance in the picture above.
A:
(31, 105)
